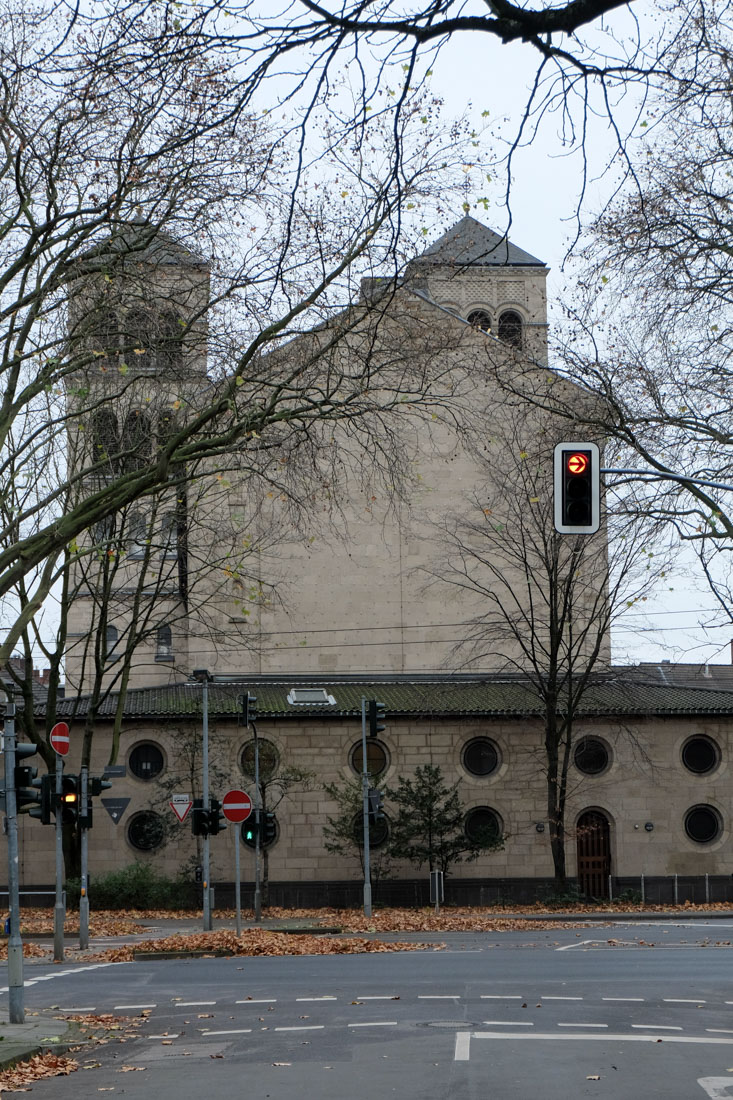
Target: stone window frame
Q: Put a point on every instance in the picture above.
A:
(719, 820)
(485, 776)
(716, 751)
(607, 748)
(147, 742)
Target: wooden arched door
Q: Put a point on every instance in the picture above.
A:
(594, 853)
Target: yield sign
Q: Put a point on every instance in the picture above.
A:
(59, 738)
(180, 804)
(236, 806)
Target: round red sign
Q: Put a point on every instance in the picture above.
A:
(236, 806)
(59, 738)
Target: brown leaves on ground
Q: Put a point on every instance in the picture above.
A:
(39, 922)
(426, 920)
(30, 951)
(24, 1074)
(256, 941)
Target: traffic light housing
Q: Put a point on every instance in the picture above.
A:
(217, 821)
(47, 802)
(97, 785)
(269, 828)
(249, 708)
(199, 818)
(376, 715)
(376, 805)
(70, 799)
(249, 829)
(577, 488)
(27, 793)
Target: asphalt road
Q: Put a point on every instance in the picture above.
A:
(622, 1012)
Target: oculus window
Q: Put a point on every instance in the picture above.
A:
(481, 756)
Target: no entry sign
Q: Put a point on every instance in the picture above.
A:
(236, 806)
(59, 738)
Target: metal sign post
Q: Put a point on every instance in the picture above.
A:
(59, 909)
(84, 892)
(365, 811)
(237, 806)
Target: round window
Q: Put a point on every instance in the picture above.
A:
(146, 831)
(269, 759)
(591, 756)
(377, 758)
(378, 831)
(146, 761)
(483, 826)
(700, 755)
(702, 824)
(481, 756)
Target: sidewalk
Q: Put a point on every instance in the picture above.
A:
(40, 1033)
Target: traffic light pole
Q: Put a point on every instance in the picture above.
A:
(16, 1014)
(206, 854)
(84, 892)
(59, 910)
(260, 822)
(365, 811)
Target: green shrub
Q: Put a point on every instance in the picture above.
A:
(136, 886)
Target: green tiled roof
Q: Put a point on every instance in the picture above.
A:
(488, 697)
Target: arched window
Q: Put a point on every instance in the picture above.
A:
(510, 328)
(104, 331)
(111, 637)
(105, 438)
(168, 534)
(164, 643)
(479, 318)
(138, 339)
(169, 349)
(136, 440)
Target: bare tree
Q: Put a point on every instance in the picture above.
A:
(545, 602)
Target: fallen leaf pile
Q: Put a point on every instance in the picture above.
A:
(30, 950)
(23, 1074)
(39, 922)
(255, 941)
(427, 920)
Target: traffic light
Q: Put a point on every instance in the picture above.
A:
(269, 829)
(47, 803)
(26, 794)
(97, 785)
(250, 828)
(376, 717)
(199, 818)
(217, 821)
(249, 708)
(376, 805)
(577, 484)
(69, 799)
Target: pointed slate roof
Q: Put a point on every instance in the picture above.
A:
(471, 244)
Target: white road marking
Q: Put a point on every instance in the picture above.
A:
(168, 1035)
(463, 1046)
(582, 1025)
(74, 1008)
(720, 1031)
(639, 999)
(507, 1023)
(118, 1007)
(500, 997)
(316, 998)
(544, 997)
(607, 1037)
(263, 1001)
(657, 1027)
(379, 997)
(376, 1023)
(194, 1004)
(682, 1001)
(716, 1087)
(233, 1031)
(438, 996)
(580, 943)
(308, 1027)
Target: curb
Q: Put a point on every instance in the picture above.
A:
(72, 1037)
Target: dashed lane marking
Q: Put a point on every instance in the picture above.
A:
(376, 1023)
(377, 997)
(232, 1031)
(463, 1046)
(582, 1025)
(316, 998)
(682, 1001)
(657, 1027)
(194, 1004)
(548, 997)
(307, 1027)
(624, 999)
(118, 1008)
(720, 1030)
(580, 943)
(507, 1023)
(261, 1001)
(500, 997)
(438, 996)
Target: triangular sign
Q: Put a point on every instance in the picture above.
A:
(115, 807)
